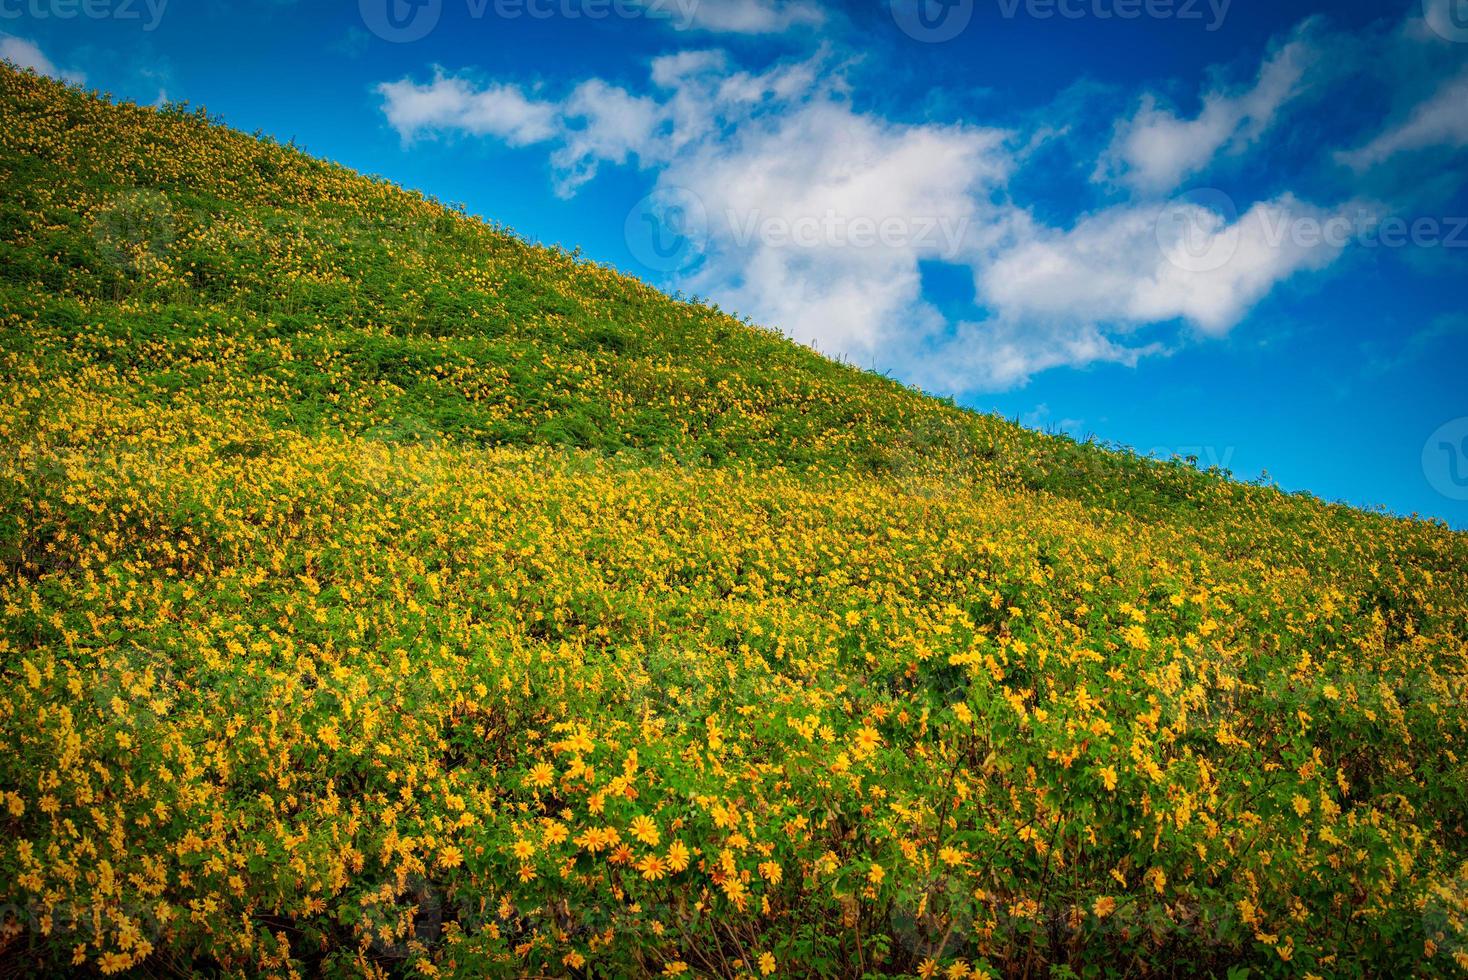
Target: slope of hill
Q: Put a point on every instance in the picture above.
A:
(383, 594)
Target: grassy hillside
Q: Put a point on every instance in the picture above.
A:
(383, 594)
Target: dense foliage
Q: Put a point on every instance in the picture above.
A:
(384, 594)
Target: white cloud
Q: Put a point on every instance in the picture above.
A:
(596, 123)
(1155, 150)
(753, 16)
(669, 70)
(832, 180)
(604, 123)
(1133, 265)
(25, 54)
(999, 354)
(1076, 297)
(1441, 120)
(448, 104)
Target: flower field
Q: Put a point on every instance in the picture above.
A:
(384, 595)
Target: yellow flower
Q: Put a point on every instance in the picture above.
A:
(677, 856)
(867, 740)
(645, 830)
(523, 849)
(1104, 906)
(766, 964)
(876, 873)
(450, 856)
(1301, 804)
(1108, 778)
(951, 856)
(652, 867)
(541, 776)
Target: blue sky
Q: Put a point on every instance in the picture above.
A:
(1233, 229)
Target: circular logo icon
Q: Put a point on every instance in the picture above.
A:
(932, 21)
(1445, 916)
(413, 915)
(400, 21)
(135, 228)
(1445, 459)
(668, 230)
(134, 690)
(401, 457)
(1199, 231)
(935, 921)
(1447, 18)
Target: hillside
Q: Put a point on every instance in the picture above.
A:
(383, 593)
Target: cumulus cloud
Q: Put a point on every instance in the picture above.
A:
(26, 54)
(450, 104)
(998, 354)
(1079, 296)
(604, 123)
(1440, 121)
(671, 69)
(821, 216)
(596, 123)
(754, 16)
(1155, 149)
(1131, 265)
